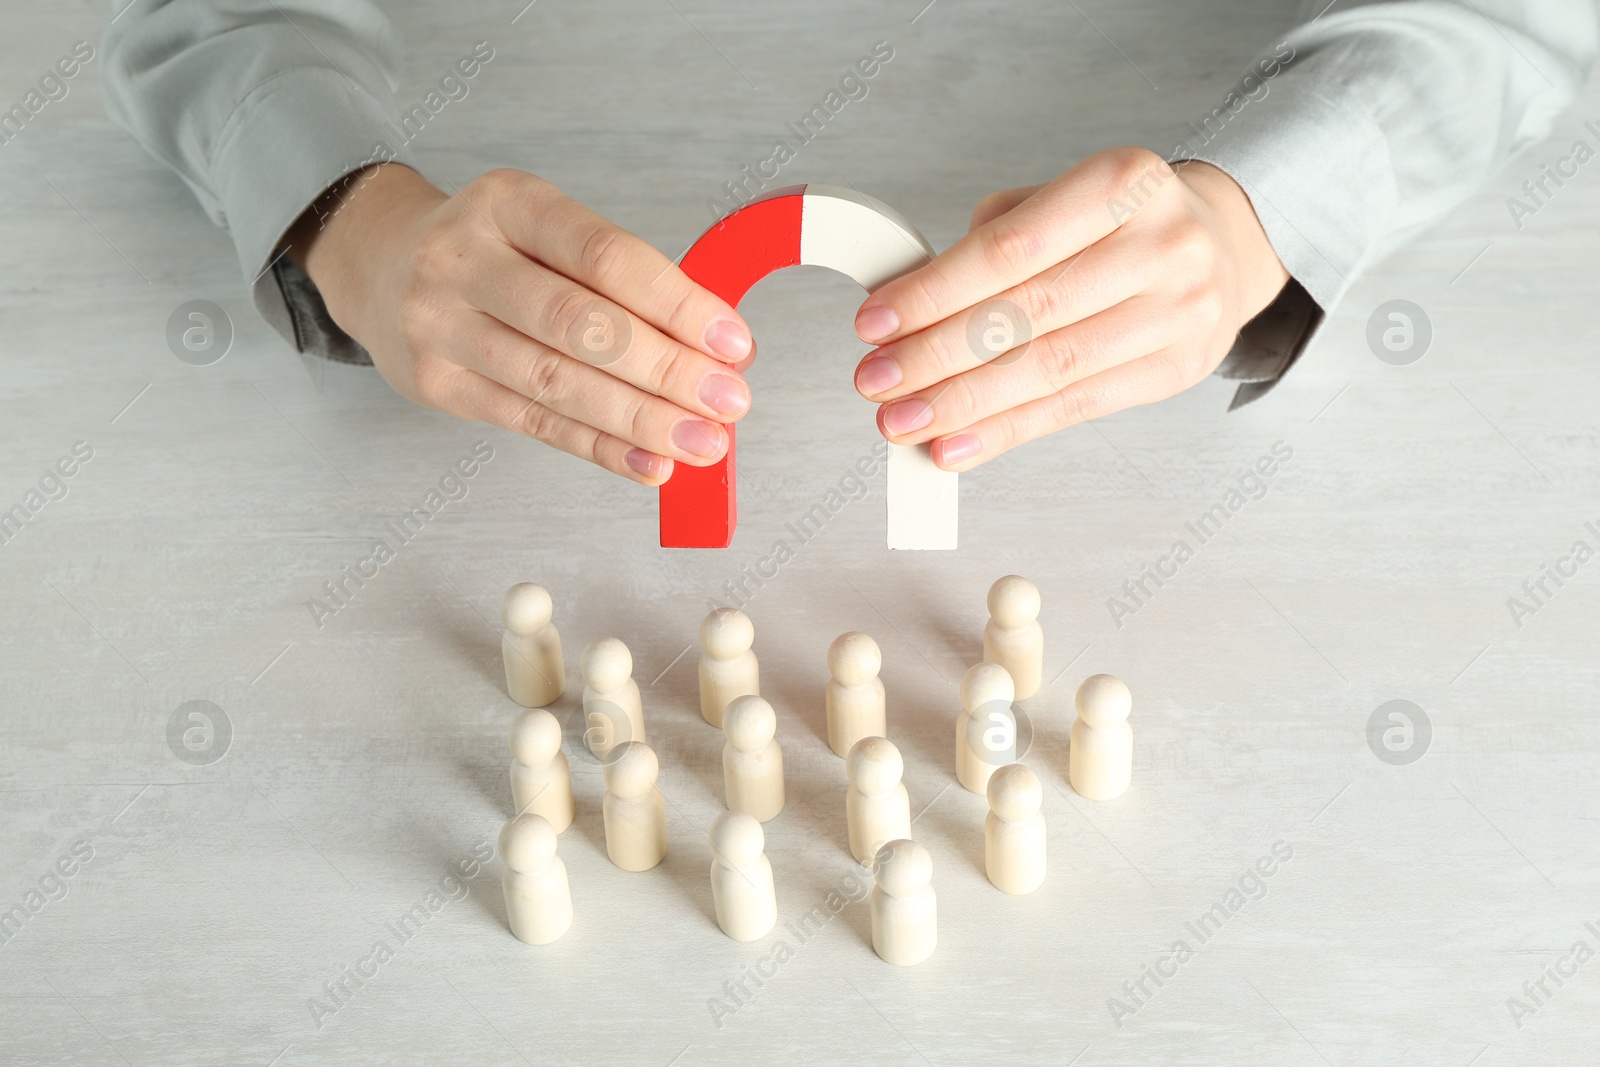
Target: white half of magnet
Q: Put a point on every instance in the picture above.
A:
(873, 243)
(858, 235)
(922, 509)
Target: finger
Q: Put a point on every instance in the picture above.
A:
(996, 204)
(1000, 330)
(569, 387)
(1143, 381)
(469, 394)
(563, 315)
(1066, 216)
(1132, 329)
(545, 224)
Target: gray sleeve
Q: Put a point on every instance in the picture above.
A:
(1369, 123)
(260, 106)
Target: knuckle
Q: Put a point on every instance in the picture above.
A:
(1170, 372)
(598, 447)
(1047, 304)
(602, 251)
(1179, 374)
(956, 400)
(494, 183)
(1064, 360)
(565, 310)
(1185, 368)
(670, 373)
(990, 206)
(585, 443)
(543, 377)
(682, 308)
(428, 381)
(1189, 243)
(504, 182)
(1205, 303)
(1011, 247)
(1129, 163)
(1068, 407)
(538, 421)
(941, 352)
(640, 419)
(1008, 433)
(416, 322)
(1134, 177)
(916, 301)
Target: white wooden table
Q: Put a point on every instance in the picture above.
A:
(367, 757)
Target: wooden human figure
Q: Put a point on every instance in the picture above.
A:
(905, 925)
(854, 697)
(1013, 831)
(541, 781)
(752, 762)
(876, 806)
(612, 710)
(1013, 637)
(1100, 759)
(986, 729)
(741, 877)
(728, 668)
(538, 899)
(635, 812)
(535, 672)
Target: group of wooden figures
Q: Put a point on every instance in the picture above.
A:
(877, 808)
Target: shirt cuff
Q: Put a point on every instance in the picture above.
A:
(1269, 344)
(1317, 171)
(286, 144)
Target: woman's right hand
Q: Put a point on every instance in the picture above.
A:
(512, 304)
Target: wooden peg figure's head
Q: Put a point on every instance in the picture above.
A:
(854, 658)
(526, 609)
(527, 843)
(726, 633)
(606, 664)
(737, 838)
(986, 683)
(749, 723)
(874, 765)
(1104, 700)
(535, 737)
(1015, 793)
(1014, 602)
(903, 867)
(632, 771)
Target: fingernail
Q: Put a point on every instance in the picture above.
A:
(955, 449)
(648, 464)
(878, 374)
(698, 437)
(876, 322)
(725, 394)
(903, 416)
(728, 339)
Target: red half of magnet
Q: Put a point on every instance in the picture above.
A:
(699, 505)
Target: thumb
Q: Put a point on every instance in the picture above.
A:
(994, 205)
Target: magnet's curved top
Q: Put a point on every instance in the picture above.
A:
(862, 238)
